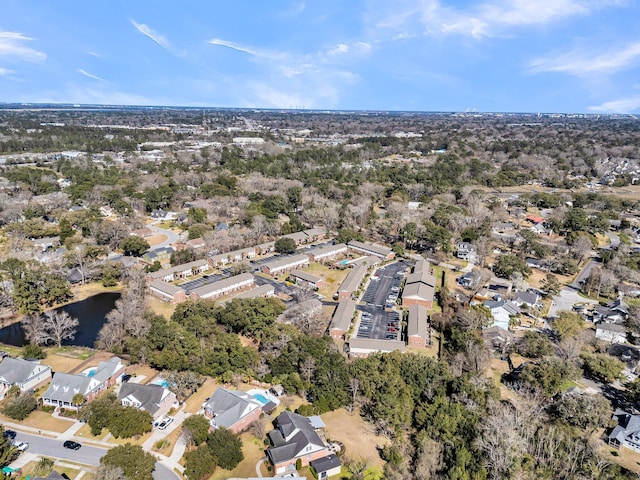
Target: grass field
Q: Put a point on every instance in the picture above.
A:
(356, 434)
(43, 421)
(253, 450)
(195, 401)
(156, 239)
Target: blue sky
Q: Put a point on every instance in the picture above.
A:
(428, 55)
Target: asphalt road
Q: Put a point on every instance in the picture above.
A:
(375, 297)
(88, 455)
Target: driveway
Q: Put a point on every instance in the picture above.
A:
(172, 237)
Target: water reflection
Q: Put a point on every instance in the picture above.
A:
(90, 313)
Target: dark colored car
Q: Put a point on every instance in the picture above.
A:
(71, 445)
(10, 434)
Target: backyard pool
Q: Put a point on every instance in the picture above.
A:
(261, 398)
(162, 382)
(89, 372)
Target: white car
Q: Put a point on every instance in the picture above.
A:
(22, 446)
(165, 423)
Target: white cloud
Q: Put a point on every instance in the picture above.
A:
(157, 38)
(13, 44)
(90, 75)
(255, 52)
(584, 63)
(621, 105)
(5, 71)
(339, 49)
(488, 19)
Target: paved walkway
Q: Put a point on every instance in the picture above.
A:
(258, 465)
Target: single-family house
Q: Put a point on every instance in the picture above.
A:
(627, 432)
(418, 330)
(307, 280)
(530, 299)
(64, 386)
(295, 437)
(155, 399)
(232, 409)
(469, 279)
(611, 332)
(326, 467)
(26, 374)
(502, 311)
(142, 232)
(466, 251)
(341, 320)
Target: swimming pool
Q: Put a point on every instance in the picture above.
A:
(90, 372)
(162, 382)
(344, 262)
(261, 398)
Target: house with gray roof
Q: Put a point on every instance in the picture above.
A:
(627, 432)
(502, 311)
(155, 399)
(26, 374)
(363, 347)
(530, 299)
(232, 409)
(295, 437)
(65, 386)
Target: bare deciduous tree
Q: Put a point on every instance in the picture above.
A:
(35, 330)
(60, 326)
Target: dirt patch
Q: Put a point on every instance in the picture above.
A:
(156, 239)
(144, 373)
(159, 307)
(195, 401)
(357, 435)
(61, 363)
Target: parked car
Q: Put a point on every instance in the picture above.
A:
(10, 434)
(165, 423)
(70, 444)
(21, 446)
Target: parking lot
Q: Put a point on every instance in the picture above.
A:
(206, 279)
(376, 321)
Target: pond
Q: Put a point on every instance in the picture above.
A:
(90, 312)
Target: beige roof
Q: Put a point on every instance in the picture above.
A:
(418, 290)
(307, 277)
(341, 319)
(422, 276)
(222, 285)
(367, 247)
(178, 268)
(261, 291)
(165, 287)
(353, 280)
(286, 261)
(368, 345)
(417, 321)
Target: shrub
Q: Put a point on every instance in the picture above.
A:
(21, 406)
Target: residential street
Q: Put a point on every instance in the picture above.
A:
(49, 444)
